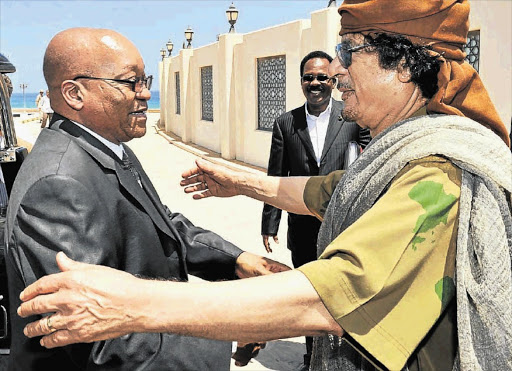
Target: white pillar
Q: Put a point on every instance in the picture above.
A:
(227, 98)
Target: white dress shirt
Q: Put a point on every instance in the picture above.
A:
(317, 127)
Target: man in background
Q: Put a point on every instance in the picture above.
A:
(38, 99)
(46, 109)
(307, 141)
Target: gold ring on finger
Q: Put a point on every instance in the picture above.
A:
(49, 324)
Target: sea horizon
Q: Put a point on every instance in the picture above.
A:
(29, 101)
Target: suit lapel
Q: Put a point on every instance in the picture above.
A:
(333, 128)
(154, 207)
(106, 158)
(301, 128)
(146, 195)
(142, 196)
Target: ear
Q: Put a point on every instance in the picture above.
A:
(72, 92)
(404, 73)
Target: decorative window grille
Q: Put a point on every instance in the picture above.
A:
(271, 90)
(207, 93)
(178, 92)
(472, 49)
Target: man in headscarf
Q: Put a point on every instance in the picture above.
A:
(414, 268)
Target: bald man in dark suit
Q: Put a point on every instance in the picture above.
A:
(84, 192)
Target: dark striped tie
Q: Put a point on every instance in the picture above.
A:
(127, 164)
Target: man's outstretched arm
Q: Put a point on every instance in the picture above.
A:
(208, 179)
(92, 303)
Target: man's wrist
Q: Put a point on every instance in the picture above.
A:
(242, 184)
(150, 294)
(238, 264)
(256, 186)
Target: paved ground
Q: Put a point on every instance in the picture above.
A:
(237, 219)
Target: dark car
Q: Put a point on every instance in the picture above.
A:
(11, 157)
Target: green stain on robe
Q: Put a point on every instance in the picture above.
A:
(436, 203)
(445, 289)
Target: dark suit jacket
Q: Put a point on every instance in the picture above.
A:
(72, 194)
(292, 154)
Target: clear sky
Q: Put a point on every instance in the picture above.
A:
(26, 27)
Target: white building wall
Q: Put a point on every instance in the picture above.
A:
(234, 132)
(494, 20)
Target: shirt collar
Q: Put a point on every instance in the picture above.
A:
(116, 148)
(327, 111)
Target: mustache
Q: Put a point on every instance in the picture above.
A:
(343, 85)
(315, 88)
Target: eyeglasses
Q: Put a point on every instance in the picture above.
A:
(344, 53)
(311, 78)
(137, 85)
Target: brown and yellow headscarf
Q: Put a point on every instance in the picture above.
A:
(442, 24)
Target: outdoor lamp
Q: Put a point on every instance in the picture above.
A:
(232, 15)
(188, 37)
(23, 86)
(162, 53)
(169, 46)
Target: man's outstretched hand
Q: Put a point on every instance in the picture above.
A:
(208, 179)
(251, 265)
(88, 303)
(92, 302)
